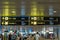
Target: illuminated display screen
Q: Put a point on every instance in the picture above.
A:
(14, 20)
(37, 20)
(51, 20)
(44, 20)
(24, 20)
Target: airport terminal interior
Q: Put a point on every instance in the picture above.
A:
(29, 19)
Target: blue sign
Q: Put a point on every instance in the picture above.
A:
(0, 29)
(8, 28)
(51, 11)
(22, 9)
(22, 23)
(30, 30)
(51, 22)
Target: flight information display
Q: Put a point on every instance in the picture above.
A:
(44, 20)
(15, 20)
(32, 20)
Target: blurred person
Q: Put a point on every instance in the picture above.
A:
(14, 36)
(52, 36)
(37, 36)
(24, 37)
(5, 36)
(1, 37)
(47, 35)
(9, 36)
(29, 37)
(32, 37)
(19, 37)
